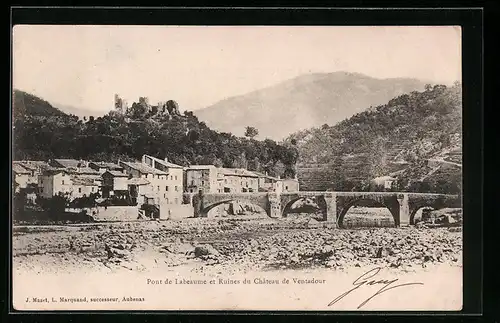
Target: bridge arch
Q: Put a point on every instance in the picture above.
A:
(435, 202)
(415, 210)
(319, 201)
(391, 205)
(206, 211)
(204, 203)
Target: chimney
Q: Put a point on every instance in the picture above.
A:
(166, 159)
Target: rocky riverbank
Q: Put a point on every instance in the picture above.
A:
(231, 246)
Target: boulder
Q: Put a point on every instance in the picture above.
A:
(205, 250)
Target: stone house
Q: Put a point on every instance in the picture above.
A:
(34, 167)
(114, 182)
(166, 186)
(210, 179)
(54, 181)
(267, 183)
(82, 187)
(140, 190)
(237, 180)
(201, 178)
(287, 185)
(383, 183)
(20, 177)
(174, 185)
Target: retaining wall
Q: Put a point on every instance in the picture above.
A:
(115, 213)
(176, 212)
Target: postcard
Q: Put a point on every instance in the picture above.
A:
(242, 168)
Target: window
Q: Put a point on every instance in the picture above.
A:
(167, 201)
(165, 195)
(202, 183)
(286, 187)
(63, 182)
(171, 177)
(175, 177)
(92, 189)
(79, 190)
(166, 188)
(176, 188)
(158, 188)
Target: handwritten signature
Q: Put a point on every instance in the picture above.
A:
(365, 280)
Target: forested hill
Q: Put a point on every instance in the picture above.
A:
(143, 129)
(28, 104)
(398, 136)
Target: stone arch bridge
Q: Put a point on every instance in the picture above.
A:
(334, 205)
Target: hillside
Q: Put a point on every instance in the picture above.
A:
(415, 137)
(304, 102)
(183, 139)
(27, 104)
(79, 112)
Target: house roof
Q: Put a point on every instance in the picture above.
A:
(288, 179)
(194, 167)
(18, 169)
(69, 162)
(54, 171)
(164, 162)
(32, 165)
(145, 169)
(111, 166)
(82, 170)
(237, 172)
(84, 181)
(137, 181)
(116, 173)
(266, 176)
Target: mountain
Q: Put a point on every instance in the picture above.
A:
(415, 137)
(24, 103)
(304, 102)
(79, 112)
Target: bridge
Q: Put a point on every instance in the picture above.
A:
(334, 205)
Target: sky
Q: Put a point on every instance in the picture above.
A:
(85, 66)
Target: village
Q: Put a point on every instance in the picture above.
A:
(123, 190)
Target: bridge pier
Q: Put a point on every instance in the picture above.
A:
(404, 210)
(274, 209)
(331, 208)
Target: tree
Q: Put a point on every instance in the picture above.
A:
(251, 132)
(173, 108)
(137, 110)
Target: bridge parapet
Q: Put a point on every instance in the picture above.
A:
(334, 205)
